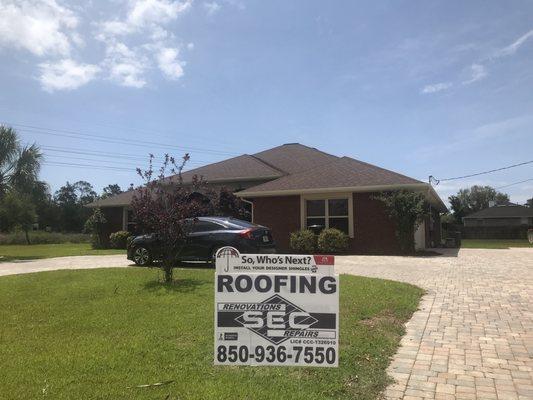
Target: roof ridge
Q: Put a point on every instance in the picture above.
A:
(314, 148)
(297, 144)
(260, 160)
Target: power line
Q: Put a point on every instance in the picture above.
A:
(515, 183)
(62, 157)
(91, 136)
(74, 165)
(432, 179)
(129, 157)
(133, 168)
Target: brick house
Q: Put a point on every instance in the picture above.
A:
(503, 221)
(293, 186)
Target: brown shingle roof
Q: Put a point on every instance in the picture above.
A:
(294, 157)
(118, 200)
(237, 168)
(504, 211)
(343, 172)
(288, 167)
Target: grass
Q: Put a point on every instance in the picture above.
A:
(494, 243)
(35, 251)
(96, 334)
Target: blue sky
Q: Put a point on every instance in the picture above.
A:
(419, 87)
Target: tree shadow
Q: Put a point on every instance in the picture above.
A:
(178, 285)
(447, 251)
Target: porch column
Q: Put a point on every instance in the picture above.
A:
(124, 218)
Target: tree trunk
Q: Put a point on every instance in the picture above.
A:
(27, 236)
(168, 274)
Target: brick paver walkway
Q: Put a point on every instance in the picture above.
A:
(472, 337)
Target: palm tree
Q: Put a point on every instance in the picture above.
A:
(19, 165)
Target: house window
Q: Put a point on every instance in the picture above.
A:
(328, 213)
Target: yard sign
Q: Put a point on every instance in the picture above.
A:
(276, 310)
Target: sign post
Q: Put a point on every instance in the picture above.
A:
(276, 310)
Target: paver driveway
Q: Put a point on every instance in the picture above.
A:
(473, 335)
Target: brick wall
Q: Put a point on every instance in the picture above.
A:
(281, 214)
(374, 232)
(113, 215)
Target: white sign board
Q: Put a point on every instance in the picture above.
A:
(276, 310)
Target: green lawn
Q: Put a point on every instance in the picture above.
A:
(493, 243)
(33, 251)
(96, 334)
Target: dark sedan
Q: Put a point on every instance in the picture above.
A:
(205, 236)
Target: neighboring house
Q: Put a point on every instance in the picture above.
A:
(508, 221)
(501, 215)
(293, 186)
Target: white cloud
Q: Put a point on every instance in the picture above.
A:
(513, 47)
(128, 74)
(145, 14)
(137, 39)
(436, 87)
(126, 67)
(478, 72)
(40, 27)
(66, 74)
(211, 7)
(168, 63)
(190, 46)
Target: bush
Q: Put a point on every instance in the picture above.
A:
(119, 240)
(303, 241)
(332, 241)
(95, 226)
(42, 237)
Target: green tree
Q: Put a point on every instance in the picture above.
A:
(407, 209)
(17, 211)
(71, 200)
(111, 190)
(19, 165)
(476, 198)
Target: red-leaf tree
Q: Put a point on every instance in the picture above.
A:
(161, 207)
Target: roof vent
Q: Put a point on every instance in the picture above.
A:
(288, 144)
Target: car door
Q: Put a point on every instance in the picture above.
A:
(200, 240)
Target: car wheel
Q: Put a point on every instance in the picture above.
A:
(213, 258)
(141, 256)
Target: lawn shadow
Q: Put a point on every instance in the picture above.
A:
(179, 285)
(21, 259)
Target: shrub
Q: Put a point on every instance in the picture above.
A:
(303, 241)
(119, 240)
(332, 241)
(42, 237)
(95, 226)
(407, 209)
